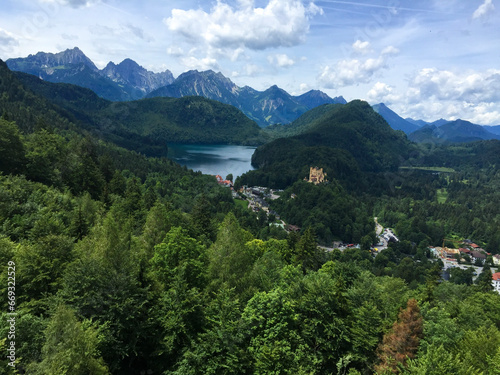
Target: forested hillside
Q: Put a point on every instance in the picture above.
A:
(128, 264)
(145, 125)
(346, 140)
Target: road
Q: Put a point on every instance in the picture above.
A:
(378, 228)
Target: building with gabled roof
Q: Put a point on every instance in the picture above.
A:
(495, 282)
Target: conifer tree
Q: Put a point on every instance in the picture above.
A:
(484, 279)
(401, 343)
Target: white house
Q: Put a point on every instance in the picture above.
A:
(496, 259)
(496, 282)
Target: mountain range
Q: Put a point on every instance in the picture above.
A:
(348, 140)
(129, 81)
(458, 131)
(394, 120)
(145, 125)
(125, 81)
(439, 131)
(271, 106)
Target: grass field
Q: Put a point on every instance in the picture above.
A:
(241, 203)
(431, 169)
(442, 195)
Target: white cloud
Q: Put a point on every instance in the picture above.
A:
(279, 23)
(252, 69)
(486, 113)
(69, 36)
(484, 10)
(390, 50)
(433, 94)
(281, 60)
(7, 39)
(382, 92)
(361, 47)
(125, 32)
(473, 87)
(205, 63)
(354, 71)
(237, 54)
(304, 87)
(175, 51)
(249, 70)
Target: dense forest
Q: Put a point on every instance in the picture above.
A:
(129, 264)
(146, 125)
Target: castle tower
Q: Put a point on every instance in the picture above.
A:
(316, 175)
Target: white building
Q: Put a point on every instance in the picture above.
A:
(496, 282)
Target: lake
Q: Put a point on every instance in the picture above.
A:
(213, 159)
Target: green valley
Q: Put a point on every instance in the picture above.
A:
(124, 262)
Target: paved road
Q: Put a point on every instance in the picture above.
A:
(378, 228)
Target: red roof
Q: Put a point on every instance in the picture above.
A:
(496, 276)
(474, 245)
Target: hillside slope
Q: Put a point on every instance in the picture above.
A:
(394, 120)
(345, 140)
(146, 125)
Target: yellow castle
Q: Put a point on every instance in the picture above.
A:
(316, 175)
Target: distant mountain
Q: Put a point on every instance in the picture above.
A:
(394, 120)
(419, 123)
(439, 122)
(274, 106)
(346, 140)
(457, 131)
(314, 98)
(46, 63)
(271, 106)
(129, 81)
(146, 125)
(495, 129)
(32, 102)
(208, 84)
(302, 124)
(128, 72)
(125, 81)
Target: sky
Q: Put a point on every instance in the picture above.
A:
(425, 59)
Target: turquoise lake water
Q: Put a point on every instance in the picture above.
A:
(213, 159)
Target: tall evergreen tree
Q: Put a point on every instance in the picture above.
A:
(401, 343)
(12, 158)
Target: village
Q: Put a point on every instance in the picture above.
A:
(468, 256)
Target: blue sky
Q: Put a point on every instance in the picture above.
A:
(425, 59)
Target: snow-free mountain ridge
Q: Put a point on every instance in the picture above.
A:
(129, 81)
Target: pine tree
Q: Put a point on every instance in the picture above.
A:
(484, 279)
(306, 249)
(401, 343)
